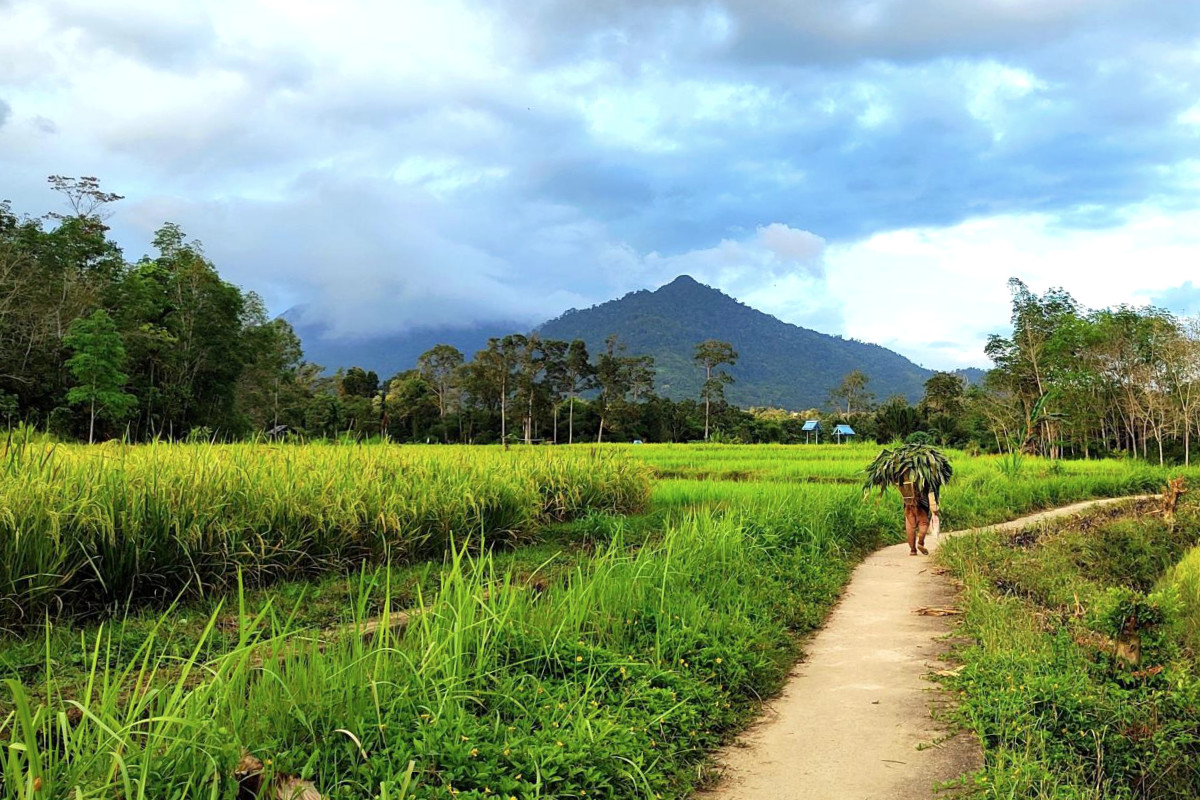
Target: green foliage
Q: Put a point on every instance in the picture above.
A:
(853, 392)
(710, 355)
(1183, 582)
(609, 658)
(1070, 380)
(1059, 713)
(919, 437)
(925, 466)
(96, 362)
(895, 420)
(194, 349)
(9, 406)
(1120, 611)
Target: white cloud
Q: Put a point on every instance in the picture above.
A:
(431, 162)
(916, 289)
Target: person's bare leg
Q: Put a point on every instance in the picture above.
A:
(922, 529)
(910, 529)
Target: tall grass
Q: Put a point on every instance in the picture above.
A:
(85, 528)
(610, 685)
(1184, 580)
(1058, 713)
(612, 678)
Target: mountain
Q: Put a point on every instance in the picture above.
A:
(779, 364)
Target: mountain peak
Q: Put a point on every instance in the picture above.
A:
(781, 364)
(686, 283)
(687, 287)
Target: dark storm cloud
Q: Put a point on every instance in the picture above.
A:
(438, 163)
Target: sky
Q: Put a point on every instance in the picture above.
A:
(876, 169)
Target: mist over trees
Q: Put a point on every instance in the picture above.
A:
(95, 346)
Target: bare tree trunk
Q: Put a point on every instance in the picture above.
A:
(504, 414)
(529, 420)
(92, 423)
(571, 422)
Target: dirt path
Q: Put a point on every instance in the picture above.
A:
(855, 722)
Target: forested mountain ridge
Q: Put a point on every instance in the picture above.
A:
(779, 364)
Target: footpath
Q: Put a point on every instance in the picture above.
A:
(857, 719)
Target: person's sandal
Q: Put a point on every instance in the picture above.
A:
(924, 552)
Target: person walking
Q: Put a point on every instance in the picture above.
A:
(920, 510)
(919, 472)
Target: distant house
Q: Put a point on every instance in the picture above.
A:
(812, 431)
(843, 432)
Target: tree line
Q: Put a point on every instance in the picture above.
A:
(1069, 382)
(531, 389)
(1076, 382)
(95, 346)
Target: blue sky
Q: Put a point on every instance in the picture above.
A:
(872, 169)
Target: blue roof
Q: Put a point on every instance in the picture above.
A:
(844, 430)
(811, 425)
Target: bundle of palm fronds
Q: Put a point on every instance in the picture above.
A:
(920, 464)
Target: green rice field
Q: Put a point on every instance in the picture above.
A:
(392, 621)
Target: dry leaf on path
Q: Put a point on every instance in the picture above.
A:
(933, 611)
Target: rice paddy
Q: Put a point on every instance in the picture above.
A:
(393, 621)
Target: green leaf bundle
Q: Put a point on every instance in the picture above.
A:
(925, 466)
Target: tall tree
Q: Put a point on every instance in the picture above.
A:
(439, 366)
(853, 391)
(616, 375)
(96, 363)
(269, 382)
(579, 377)
(531, 363)
(357, 382)
(944, 394)
(1181, 374)
(1034, 356)
(493, 374)
(711, 354)
(611, 379)
(558, 381)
